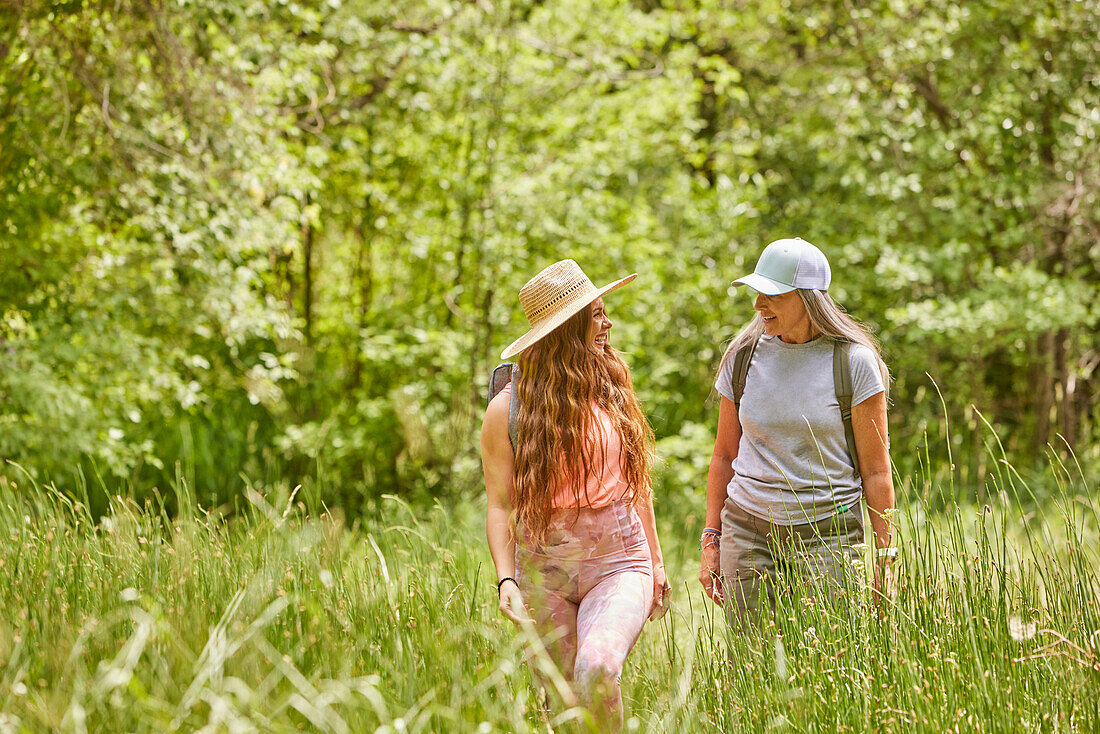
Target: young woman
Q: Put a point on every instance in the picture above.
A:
(570, 516)
(783, 494)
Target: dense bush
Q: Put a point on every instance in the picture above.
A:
(287, 239)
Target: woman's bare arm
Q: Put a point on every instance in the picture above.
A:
(496, 462)
(726, 444)
(872, 445)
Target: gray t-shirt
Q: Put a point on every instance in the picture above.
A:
(792, 464)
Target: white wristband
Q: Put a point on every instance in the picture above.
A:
(888, 552)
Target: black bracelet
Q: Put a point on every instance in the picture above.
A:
(501, 583)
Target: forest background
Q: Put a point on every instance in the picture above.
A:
(269, 243)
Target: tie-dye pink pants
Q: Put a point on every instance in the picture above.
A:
(589, 587)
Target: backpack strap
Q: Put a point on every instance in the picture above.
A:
(513, 410)
(741, 360)
(842, 383)
(501, 376)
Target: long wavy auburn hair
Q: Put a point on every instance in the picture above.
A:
(560, 378)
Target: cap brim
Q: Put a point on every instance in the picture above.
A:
(547, 326)
(767, 286)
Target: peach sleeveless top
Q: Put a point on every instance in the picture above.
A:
(606, 485)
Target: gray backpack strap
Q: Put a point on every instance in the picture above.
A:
(513, 410)
(502, 375)
(741, 360)
(842, 383)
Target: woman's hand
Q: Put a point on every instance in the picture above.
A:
(660, 592)
(710, 569)
(511, 602)
(885, 580)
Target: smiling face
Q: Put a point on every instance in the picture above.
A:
(785, 316)
(599, 327)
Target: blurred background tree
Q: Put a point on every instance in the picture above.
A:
(284, 240)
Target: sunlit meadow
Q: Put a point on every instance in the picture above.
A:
(280, 615)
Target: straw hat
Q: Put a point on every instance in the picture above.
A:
(552, 296)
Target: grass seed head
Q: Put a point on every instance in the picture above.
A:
(1019, 630)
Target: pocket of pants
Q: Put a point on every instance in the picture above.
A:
(743, 552)
(854, 521)
(630, 528)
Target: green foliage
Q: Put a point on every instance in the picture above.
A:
(287, 238)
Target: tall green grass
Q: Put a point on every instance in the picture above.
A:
(284, 616)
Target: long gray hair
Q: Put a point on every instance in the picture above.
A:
(826, 319)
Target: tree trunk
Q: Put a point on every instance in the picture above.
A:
(1043, 385)
(307, 274)
(1066, 380)
(466, 202)
(364, 279)
(707, 107)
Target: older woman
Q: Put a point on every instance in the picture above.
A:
(570, 518)
(790, 473)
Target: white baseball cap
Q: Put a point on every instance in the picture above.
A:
(787, 264)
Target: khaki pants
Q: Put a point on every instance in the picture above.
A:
(759, 557)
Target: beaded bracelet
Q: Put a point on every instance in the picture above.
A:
(712, 534)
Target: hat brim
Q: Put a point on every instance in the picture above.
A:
(767, 286)
(547, 326)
